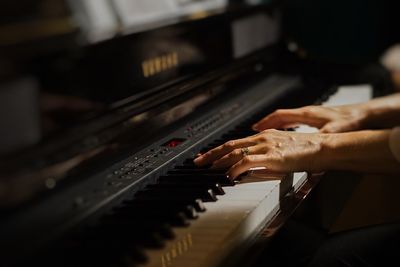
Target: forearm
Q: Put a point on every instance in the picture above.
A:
(382, 112)
(364, 151)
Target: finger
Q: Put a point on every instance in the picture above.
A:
(283, 117)
(232, 158)
(337, 127)
(218, 152)
(246, 163)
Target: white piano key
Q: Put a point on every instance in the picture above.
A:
(298, 179)
(350, 94)
(224, 225)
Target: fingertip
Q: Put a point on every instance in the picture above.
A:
(231, 173)
(230, 177)
(197, 160)
(257, 128)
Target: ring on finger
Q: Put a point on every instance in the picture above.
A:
(245, 151)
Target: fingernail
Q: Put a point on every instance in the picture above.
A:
(230, 177)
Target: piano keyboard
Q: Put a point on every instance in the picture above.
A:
(191, 217)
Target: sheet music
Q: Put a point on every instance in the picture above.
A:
(96, 17)
(141, 14)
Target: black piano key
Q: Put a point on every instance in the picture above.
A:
(195, 171)
(173, 197)
(201, 178)
(132, 224)
(136, 207)
(116, 240)
(199, 205)
(185, 167)
(145, 217)
(187, 186)
(110, 240)
(205, 195)
(216, 187)
(189, 161)
(196, 203)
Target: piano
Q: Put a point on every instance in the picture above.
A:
(104, 106)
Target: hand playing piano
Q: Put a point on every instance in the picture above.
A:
(284, 152)
(278, 151)
(381, 112)
(339, 144)
(328, 119)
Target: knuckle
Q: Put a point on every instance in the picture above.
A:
(262, 138)
(246, 160)
(268, 147)
(235, 153)
(267, 132)
(208, 154)
(308, 110)
(229, 144)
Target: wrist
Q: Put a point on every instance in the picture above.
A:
(365, 151)
(381, 112)
(328, 147)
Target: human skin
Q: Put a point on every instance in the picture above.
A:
(340, 144)
(382, 112)
(282, 151)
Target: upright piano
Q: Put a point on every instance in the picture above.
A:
(104, 105)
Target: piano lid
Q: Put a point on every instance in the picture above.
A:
(67, 96)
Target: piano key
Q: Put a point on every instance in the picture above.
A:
(187, 186)
(225, 224)
(137, 208)
(195, 171)
(205, 195)
(206, 178)
(196, 203)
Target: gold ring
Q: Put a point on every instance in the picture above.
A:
(245, 151)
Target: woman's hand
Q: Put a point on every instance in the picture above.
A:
(328, 119)
(281, 151)
(381, 112)
(278, 151)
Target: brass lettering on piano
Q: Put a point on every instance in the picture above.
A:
(154, 66)
(177, 249)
